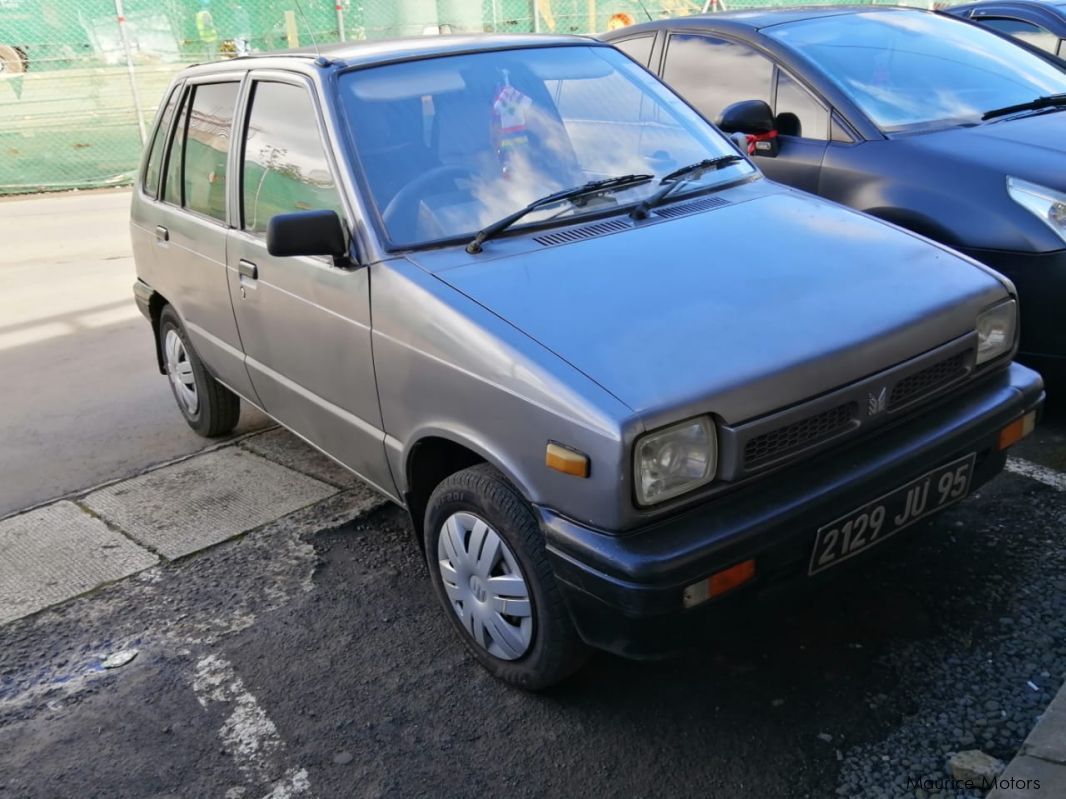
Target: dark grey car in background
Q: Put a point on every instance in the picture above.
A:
(919, 118)
(616, 376)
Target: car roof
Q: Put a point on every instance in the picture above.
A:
(757, 18)
(369, 52)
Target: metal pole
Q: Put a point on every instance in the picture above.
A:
(132, 72)
(340, 21)
(536, 15)
(495, 16)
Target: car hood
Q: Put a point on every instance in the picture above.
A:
(739, 311)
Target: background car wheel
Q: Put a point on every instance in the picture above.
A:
(209, 407)
(489, 569)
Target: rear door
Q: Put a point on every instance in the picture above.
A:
(191, 230)
(304, 322)
(713, 72)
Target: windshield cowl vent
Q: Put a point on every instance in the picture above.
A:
(690, 207)
(583, 232)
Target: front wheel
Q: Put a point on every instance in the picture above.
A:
(209, 407)
(490, 571)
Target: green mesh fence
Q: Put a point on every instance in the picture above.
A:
(80, 79)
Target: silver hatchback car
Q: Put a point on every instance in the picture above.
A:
(617, 377)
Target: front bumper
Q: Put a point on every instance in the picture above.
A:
(624, 591)
(1040, 279)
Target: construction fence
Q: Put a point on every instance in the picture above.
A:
(80, 79)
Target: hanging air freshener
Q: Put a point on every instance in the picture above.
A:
(509, 133)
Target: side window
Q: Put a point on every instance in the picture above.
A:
(1026, 31)
(798, 113)
(285, 167)
(713, 73)
(207, 147)
(638, 48)
(175, 165)
(155, 154)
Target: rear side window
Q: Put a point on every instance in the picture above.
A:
(207, 148)
(155, 156)
(285, 166)
(175, 163)
(638, 48)
(1026, 31)
(714, 73)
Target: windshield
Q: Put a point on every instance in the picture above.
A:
(912, 70)
(452, 144)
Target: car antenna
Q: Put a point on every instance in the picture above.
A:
(644, 8)
(320, 59)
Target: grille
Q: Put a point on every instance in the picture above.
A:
(695, 206)
(929, 379)
(579, 233)
(799, 435)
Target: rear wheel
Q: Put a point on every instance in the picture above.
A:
(209, 407)
(490, 572)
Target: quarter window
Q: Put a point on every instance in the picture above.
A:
(798, 113)
(714, 73)
(155, 156)
(285, 166)
(638, 48)
(207, 148)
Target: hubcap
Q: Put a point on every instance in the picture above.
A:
(179, 370)
(485, 587)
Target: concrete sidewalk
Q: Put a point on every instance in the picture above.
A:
(53, 553)
(1038, 771)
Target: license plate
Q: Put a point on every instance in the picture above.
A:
(878, 520)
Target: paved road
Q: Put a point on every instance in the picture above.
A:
(310, 659)
(82, 401)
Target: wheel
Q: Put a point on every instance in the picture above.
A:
(209, 407)
(490, 571)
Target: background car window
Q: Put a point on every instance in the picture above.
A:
(910, 70)
(713, 73)
(285, 166)
(155, 157)
(175, 164)
(207, 147)
(799, 114)
(638, 48)
(1026, 31)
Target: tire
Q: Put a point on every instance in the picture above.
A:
(209, 407)
(535, 647)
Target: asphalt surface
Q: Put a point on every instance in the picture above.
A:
(83, 401)
(310, 658)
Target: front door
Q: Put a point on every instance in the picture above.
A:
(304, 322)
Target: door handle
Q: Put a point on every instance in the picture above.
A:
(248, 269)
(162, 235)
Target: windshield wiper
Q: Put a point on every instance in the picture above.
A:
(677, 178)
(585, 190)
(1049, 101)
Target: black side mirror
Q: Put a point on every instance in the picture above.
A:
(307, 233)
(755, 119)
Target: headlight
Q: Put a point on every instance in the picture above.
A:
(1046, 204)
(995, 331)
(674, 460)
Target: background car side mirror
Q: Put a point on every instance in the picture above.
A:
(754, 119)
(307, 233)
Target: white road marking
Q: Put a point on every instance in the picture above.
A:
(248, 733)
(1035, 471)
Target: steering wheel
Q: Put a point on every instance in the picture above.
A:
(400, 215)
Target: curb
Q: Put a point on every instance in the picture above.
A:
(1038, 771)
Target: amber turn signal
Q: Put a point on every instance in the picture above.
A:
(719, 583)
(1017, 430)
(565, 460)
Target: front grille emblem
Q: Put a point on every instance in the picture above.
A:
(875, 403)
